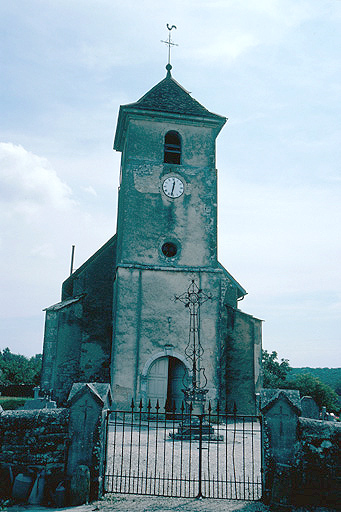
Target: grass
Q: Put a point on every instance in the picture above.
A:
(12, 402)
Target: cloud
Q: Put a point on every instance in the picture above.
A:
(281, 240)
(269, 65)
(45, 251)
(99, 56)
(39, 222)
(29, 183)
(230, 46)
(90, 190)
(233, 28)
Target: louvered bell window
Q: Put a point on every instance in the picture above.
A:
(172, 154)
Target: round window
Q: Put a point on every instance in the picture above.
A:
(169, 249)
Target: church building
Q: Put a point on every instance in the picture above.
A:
(118, 320)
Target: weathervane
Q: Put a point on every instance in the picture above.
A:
(169, 43)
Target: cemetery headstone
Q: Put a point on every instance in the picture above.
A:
(309, 408)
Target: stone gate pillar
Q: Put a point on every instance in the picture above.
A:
(88, 403)
(280, 409)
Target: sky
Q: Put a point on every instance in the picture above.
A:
(272, 67)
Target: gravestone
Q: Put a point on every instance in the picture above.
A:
(280, 410)
(309, 408)
(39, 402)
(88, 403)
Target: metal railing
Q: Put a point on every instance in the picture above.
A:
(181, 454)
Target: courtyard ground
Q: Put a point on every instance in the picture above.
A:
(134, 503)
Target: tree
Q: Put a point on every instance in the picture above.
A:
(308, 385)
(276, 375)
(18, 369)
(274, 372)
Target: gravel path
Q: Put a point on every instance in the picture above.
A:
(133, 503)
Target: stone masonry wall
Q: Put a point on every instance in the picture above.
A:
(32, 440)
(301, 461)
(317, 463)
(241, 352)
(78, 330)
(33, 437)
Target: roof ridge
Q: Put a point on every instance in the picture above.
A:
(168, 95)
(167, 77)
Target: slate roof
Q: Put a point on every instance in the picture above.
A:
(241, 291)
(64, 303)
(270, 396)
(100, 390)
(111, 241)
(169, 96)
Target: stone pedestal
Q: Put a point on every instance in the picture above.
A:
(195, 425)
(195, 429)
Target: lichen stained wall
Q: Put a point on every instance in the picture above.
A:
(241, 352)
(149, 321)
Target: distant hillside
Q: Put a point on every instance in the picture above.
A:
(330, 376)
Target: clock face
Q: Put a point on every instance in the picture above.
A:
(173, 187)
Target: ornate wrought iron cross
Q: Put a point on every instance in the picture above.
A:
(169, 43)
(193, 298)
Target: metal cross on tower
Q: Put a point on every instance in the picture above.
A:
(169, 43)
(193, 298)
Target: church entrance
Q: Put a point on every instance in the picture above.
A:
(165, 382)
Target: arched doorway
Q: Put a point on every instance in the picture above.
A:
(166, 381)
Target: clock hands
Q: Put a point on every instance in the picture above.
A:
(173, 187)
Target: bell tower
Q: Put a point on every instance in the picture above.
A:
(166, 237)
(167, 212)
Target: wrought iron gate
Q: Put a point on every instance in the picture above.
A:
(180, 454)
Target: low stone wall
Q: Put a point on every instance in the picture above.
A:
(31, 441)
(56, 449)
(34, 437)
(317, 465)
(301, 456)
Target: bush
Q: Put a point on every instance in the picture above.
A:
(308, 385)
(18, 369)
(19, 390)
(274, 372)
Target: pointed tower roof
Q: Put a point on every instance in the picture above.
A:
(166, 97)
(169, 96)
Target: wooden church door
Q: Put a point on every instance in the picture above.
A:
(158, 382)
(165, 382)
(176, 374)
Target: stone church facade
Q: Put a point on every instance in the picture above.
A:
(117, 320)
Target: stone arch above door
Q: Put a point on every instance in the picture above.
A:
(150, 364)
(166, 352)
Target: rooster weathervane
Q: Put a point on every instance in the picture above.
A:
(169, 42)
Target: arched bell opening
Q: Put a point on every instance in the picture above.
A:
(172, 148)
